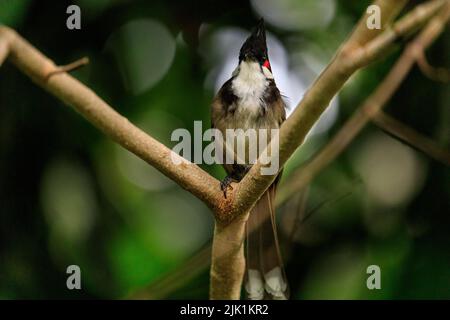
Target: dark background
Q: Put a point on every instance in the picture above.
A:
(68, 195)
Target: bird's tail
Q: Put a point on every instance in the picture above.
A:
(265, 276)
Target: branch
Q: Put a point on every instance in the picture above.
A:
(72, 92)
(411, 137)
(69, 67)
(433, 73)
(410, 22)
(375, 102)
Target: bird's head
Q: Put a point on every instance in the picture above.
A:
(254, 48)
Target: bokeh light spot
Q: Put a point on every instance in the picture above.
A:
(144, 51)
(68, 200)
(391, 171)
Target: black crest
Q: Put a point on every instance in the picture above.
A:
(255, 46)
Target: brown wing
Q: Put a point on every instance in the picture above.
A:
(223, 103)
(275, 103)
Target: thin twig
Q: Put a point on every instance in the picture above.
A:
(434, 73)
(412, 137)
(410, 22)
(299, 216)
(69, 67)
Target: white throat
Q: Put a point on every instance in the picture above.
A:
(250, 79)
(249, 85)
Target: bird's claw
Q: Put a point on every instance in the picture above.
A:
(225, 184)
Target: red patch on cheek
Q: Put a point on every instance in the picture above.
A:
(267, 65)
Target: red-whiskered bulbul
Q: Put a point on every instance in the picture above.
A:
(250, 99)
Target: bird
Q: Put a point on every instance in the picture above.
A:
(250, 99)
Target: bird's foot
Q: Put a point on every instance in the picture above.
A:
(225, 184)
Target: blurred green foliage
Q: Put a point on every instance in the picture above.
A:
(68, 195)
